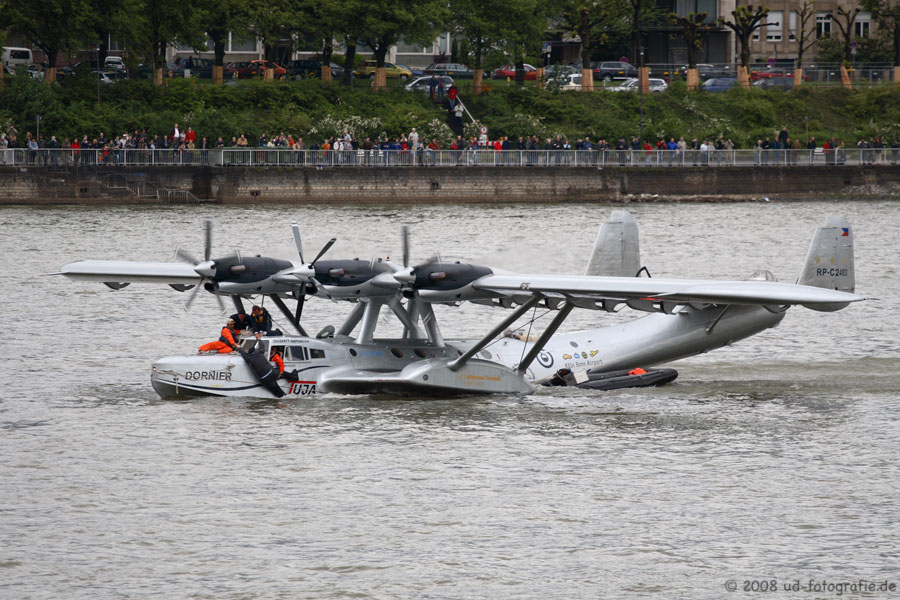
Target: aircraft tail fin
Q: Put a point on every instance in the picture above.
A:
(829, 263)
(616, 251)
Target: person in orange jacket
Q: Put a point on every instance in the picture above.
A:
(226, 343)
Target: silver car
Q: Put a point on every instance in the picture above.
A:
(634, 84)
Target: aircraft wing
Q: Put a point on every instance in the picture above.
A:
(674, 291)
(123, 271)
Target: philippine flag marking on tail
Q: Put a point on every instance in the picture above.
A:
(845, 231)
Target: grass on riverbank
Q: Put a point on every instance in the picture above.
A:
(314, 110)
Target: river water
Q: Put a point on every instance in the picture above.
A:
(774, 459)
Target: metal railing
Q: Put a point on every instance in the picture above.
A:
(469, 157)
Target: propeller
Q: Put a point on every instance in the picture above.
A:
(312, 285)
(206, 269)
(407, 276)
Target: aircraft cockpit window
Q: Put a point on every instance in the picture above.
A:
(248, 344)
(296, 353)
(316, 353)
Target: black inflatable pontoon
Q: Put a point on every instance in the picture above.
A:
(614, 380)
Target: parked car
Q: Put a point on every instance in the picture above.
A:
(391, 71)
(609, 70)
(719, 84)
(36, 72)
(706, 71)
(416, 72)
(775, 83)
(634, 84)
(199, 67)
(455, 70)
(115, 62)
(559, 72)
(9, 70)
(423, 84)
(572, 83)
(170, 69)
(509, 71)
(253, 68)
(774, 73)
(311, 68)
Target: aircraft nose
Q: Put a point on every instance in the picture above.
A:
(206, 269)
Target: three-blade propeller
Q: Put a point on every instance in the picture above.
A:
(205, 269)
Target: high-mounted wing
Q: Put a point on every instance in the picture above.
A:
(675, 291)
(123, 272)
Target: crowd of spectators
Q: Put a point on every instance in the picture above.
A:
(184, 146)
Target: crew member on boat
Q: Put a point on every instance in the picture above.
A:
(226, 342)
(242, 321)
(261, 321)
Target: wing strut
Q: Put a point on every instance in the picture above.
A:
(458, 363)
(545, 337)
(287, 313)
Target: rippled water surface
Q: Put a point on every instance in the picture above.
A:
(772, 459)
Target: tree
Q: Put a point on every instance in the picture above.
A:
(384, 24)
(523, 31)
(806, 38)
(54, 26)
(218, 18)
(887, 15)
(165, 21)
(745, 20)
(640, 10)
(583, 18)
(481, 22)
(694, 30)
(846, 28)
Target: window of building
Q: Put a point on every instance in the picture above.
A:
(239, 45)
(792, 26)
(774, 26)
(863, 24)
(823, 25)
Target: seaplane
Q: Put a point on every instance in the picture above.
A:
(684, 317)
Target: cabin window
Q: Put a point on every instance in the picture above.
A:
(316, 353)
(296, 353)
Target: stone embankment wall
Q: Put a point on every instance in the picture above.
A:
(238, 185)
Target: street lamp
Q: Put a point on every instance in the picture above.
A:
(641, 92)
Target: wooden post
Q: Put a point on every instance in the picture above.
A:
(380, 81)
(158, 76)
(845, 78)
(269, 75)
(644, 79)
(477, 79)
(693, 79)
(326, 73)
(539, 77)
(743, 77)
(798, 76)
(587, 80)
(897, 76)
(218, 75)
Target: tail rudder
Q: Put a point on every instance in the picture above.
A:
(616, 251)
(829, 263)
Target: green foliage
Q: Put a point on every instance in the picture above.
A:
(314, 110)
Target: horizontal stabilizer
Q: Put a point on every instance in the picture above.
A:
(616, 251)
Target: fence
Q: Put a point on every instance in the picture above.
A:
(481, 157)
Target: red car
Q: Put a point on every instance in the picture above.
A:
(510, 71)
(772, 73)
(253, 68)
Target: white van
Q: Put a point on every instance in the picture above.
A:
(17, 56)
